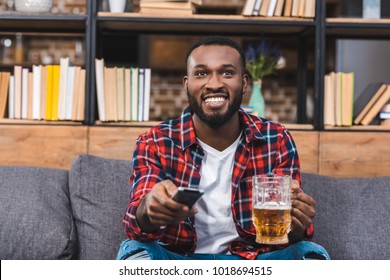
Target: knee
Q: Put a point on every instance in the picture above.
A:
(310, 250)
(134, 249)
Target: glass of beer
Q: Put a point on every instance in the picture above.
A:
(271, 208)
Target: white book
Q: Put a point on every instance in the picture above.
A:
(127, 94)
(134, 93)
(11, 101)
(36, 113)
(148, 81)
(70, 93)
(64, 66)
(18, 91)
(99, 75)
(24, 93)
(141, 93)
(271, 8)
(256, 8)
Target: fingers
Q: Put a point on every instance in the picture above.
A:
(303, 209)
(161, 208)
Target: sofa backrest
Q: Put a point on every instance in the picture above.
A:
(99, 193)
(353, 218)
(36, 220)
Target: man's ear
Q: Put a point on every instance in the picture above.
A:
(185, 83)
(245, 81)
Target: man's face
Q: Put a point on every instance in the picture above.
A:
(215, 83)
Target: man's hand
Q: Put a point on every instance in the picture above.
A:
(302, 212)
(158, 208)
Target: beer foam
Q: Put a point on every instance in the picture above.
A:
(274, 205)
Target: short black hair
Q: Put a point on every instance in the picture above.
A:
(221, 41)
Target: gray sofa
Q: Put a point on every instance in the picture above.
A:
(76, 214)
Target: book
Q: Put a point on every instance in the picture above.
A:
(247, 10)
(120, 93)
(25, 93)
(264, 8)
(271, 8)
(63, 87)
(310, 9)
(55, 93)
(99, 75)
(301, 8)
(36, 111)
(4, 85)
(377, 106)
(70, 93)
(134, 94)
(329, 99)
(11, 99)
(386, 122)
(287, 8)
(81, 96)
(76, 92)
(279, 8)
(347, 95)
(256, 8)
(30, 96)
(43, 92)
(385, 112)
(107, 100)
(49, 92)
(337, 100)
(366, 99)
(147, 91)
(127, 94)
(18, 92)
(295, 8)
(141, 93)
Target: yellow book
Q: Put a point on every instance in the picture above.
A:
(49, 91)
(55, 94)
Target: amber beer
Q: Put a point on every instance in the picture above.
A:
(272, 223)
(271, 208)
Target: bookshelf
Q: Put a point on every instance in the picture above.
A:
(115, 139)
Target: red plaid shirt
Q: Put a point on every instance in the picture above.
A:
(171, 151)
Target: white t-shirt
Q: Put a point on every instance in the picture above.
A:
(214, 221)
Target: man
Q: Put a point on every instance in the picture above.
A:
(216, 147)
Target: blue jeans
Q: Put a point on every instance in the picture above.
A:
(298, 251)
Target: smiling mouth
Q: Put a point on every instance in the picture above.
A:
(214, 100)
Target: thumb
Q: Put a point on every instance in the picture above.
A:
(295, 186)
(169, 186)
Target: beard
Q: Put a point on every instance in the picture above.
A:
(215, 120)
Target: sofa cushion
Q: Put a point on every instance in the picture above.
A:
(35, 216)
(352, 220)
(99, 192)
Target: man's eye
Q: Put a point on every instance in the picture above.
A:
(200, 73)
(227, 72)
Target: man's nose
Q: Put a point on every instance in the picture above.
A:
(214, 82)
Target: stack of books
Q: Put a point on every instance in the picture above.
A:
(166, 8)
(51, 92)
(123, 94)
(286, 8)
(338, 99)
(371, 102)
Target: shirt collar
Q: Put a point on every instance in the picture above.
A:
(252, 126)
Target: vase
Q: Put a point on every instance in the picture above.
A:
(117, 6)
(33, 6)
(257, 101)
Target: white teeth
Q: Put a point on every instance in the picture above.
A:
(214, 99)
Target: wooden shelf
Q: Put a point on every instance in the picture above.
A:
(200, 23)
(38, 122)
(358, 128)
(13, 22)
(358, 27)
